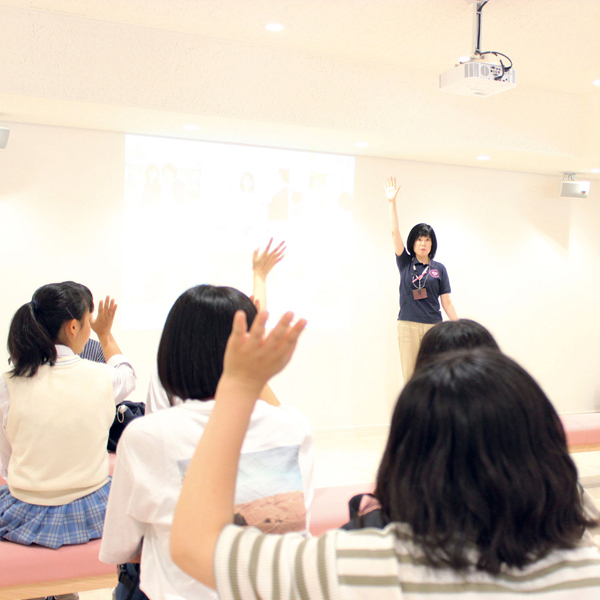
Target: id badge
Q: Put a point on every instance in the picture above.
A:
(420, 294)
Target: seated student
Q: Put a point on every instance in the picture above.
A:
(462, 334)
(274, 486)
(476, 482)
(262, 264)
(55, 413)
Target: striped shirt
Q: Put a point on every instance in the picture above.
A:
(93, 351)
(378, 565)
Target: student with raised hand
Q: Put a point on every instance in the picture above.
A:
(274, 486)
(55, 414)
(424, 283)
(476, 483)
(262, 264)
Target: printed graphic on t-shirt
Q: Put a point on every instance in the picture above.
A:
(269, 493)
(434, 273)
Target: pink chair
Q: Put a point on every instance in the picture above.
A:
(33, 571)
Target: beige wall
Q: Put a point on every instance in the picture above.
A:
(521, 260)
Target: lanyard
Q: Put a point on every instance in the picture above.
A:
(418, 279)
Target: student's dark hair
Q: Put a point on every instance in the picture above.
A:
(421, 230)
(192, 345)
(462, 334)
(477, 465)
(36, 326)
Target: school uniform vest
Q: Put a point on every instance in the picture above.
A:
(58, 423)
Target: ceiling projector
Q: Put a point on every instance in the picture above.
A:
(474, 76)
(477, 78)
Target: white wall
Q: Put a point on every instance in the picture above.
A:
(522, 261)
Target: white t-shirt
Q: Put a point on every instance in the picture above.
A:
(274, 486)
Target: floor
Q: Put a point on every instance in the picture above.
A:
(352, 456)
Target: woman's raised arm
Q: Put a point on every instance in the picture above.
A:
(391, 193)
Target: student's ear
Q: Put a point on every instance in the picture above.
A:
(73, 326)
(69, 331)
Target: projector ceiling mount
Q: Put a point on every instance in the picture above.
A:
(475, 76)
(477, 53)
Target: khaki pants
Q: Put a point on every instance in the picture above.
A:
(410, 335)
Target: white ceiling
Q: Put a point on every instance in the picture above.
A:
(342, 71)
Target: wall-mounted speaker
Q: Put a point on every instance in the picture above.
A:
(4, 133)
(574, 189)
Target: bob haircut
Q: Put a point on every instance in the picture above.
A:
(421, 230)
(477, 465)
(453, 335)
(36, 326)
(192, 345)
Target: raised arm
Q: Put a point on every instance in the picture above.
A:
(262, 263)
(102, 325)
(391, 193)
(206, 502)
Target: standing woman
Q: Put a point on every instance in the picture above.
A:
(424, 284)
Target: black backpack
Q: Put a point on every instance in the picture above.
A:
(126, 412)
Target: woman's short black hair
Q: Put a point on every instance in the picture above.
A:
(477, 465)
(462, 334)
(36, 326)
(421, 230)
(192, 345)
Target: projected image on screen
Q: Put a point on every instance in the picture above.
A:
(195, 211)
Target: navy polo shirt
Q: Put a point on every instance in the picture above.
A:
(436, 283)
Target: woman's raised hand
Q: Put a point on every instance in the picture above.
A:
(252, 357)
(391, 189)
(103, 322)
(263, 262)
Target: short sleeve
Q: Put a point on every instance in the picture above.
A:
(403, 260)
(250, 564)
(444, 281)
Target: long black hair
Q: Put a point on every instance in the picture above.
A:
(477, 465)
(36, 326)
(461, 334)
(192, 345)
(421, 230)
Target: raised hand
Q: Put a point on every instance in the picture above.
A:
(251, 357)
(263, 262)
(391, 189)
(103, 322)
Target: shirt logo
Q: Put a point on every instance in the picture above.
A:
(434, 273)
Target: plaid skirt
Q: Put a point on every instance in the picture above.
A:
(53, 526)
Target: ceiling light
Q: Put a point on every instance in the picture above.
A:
(596, 82)
(191, 127)
(483, 157)
(361, 144)
(275, 27)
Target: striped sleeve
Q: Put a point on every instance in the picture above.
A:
(252, 565)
